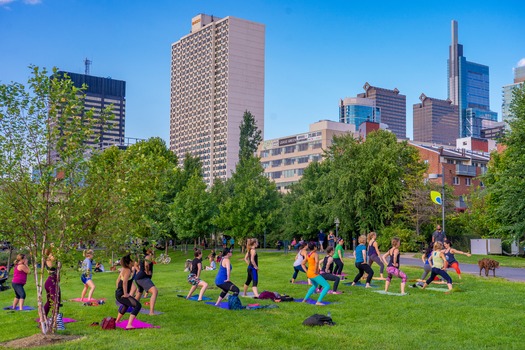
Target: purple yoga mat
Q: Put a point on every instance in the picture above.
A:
(300, 282)
(64, 319)
(86, 300)
(24, 308)
(311, 301)
(136, 324)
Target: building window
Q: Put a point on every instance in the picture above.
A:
(316, 145)
(302, 147)
(468, 181)
(456, 180)
(289, 173)
(289, 161)
(264, 153)
(481, 184)
(302, 160)
(289, 149)
(276, 151)
(277, 162)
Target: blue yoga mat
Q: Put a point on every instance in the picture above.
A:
(311, 301)
(24, 308)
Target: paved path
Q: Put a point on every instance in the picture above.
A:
(511, 273)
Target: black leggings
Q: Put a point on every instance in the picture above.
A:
(362, 267)
(331, 277)
(20, 293)
(338, 266)
(253, 275)
(442, 273)
(296, 270)
(228, 287)
(127, 303)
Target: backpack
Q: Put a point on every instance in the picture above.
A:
(234, 303)
(109, 323)
(318, 320)
(286, 298)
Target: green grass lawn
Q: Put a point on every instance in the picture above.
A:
(481, 313)
(504, 261)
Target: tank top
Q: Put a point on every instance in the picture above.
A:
(255, 258)
(19, 277)
(437, 261)
(327, 269)
(450, 257)
(120, 287)
(222, 274)
(392, 257)
(359, 253)
(371, 249)
(298, 259)
(311, 266)
(142, 273)
(86, 267)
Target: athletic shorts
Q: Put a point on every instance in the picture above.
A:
(193, 279)
(144, 284)
(85, 279)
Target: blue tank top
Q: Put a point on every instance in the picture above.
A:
(222, 275)
(371, 249)
(450, 257)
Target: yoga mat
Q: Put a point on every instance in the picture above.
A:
(390, 293)
(137, 324)
(222, 305)
(143, 310)
(300, 282)
(311, 301)
(332, 292)
(359, 284)
(248, 295)
(194, 297)
(437, 289)
(24, 308)
(64, 319)
(85, 300)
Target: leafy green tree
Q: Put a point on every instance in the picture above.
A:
(40, 199)
(191, 212)
(504, 180)
(250, 136)
(252, 207)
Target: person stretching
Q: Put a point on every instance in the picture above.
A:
(360, 263)
(123, 292)
(194, 276)
(223, 276)
(51, 285)
(439, 265)
(144, 282)
(297, 264)
(19, 280)
(426, 265)
(393, 265)
(338, 258)
(374, 256)
(449, 255)
(313, 274)
(87, 275)
(327, 267)
(252, 260)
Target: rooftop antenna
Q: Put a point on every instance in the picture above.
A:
(87, 63)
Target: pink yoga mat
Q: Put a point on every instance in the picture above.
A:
(137, 324)
(64, 319)
(85, 300)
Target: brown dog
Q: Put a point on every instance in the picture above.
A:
(488, 264)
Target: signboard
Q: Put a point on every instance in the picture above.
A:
(288, 141)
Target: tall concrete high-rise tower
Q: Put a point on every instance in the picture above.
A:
(217, 73)
(468, 88)
(393, 107)
(508, 91)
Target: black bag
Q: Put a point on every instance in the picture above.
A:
(318, 320)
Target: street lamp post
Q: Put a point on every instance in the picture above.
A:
(336, 222)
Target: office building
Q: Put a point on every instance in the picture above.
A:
(217, 73)
(468, 88)
(519, 79)
(357, 110)
(284, 159)
(393, 106)
(100, 94)
(435, 121)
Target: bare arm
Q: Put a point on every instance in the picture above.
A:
(364, 256)
(125, 276)
(316, 256)
(246, 259)
(303, 263)
(455, 251)
(23, 267)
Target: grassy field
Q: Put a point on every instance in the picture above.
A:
(504, 261)
(480, 313)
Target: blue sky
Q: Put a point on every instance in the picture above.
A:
(316, 51)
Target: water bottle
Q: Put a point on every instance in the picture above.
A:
(329, 314)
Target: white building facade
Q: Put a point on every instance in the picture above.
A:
(217, 73)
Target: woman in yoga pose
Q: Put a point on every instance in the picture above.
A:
(124, 291)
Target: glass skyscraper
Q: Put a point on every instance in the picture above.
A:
(356, 110)
(468, 88)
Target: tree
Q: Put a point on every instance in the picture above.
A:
(250, 136)
(191, 212)
(40, 199)
(504, 180)
(253, 204)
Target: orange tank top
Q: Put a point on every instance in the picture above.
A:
(311, 266)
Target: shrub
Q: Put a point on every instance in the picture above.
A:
(410, 241)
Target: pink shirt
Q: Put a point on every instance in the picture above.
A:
(19, 277)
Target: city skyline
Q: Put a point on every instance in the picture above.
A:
(316, 54)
